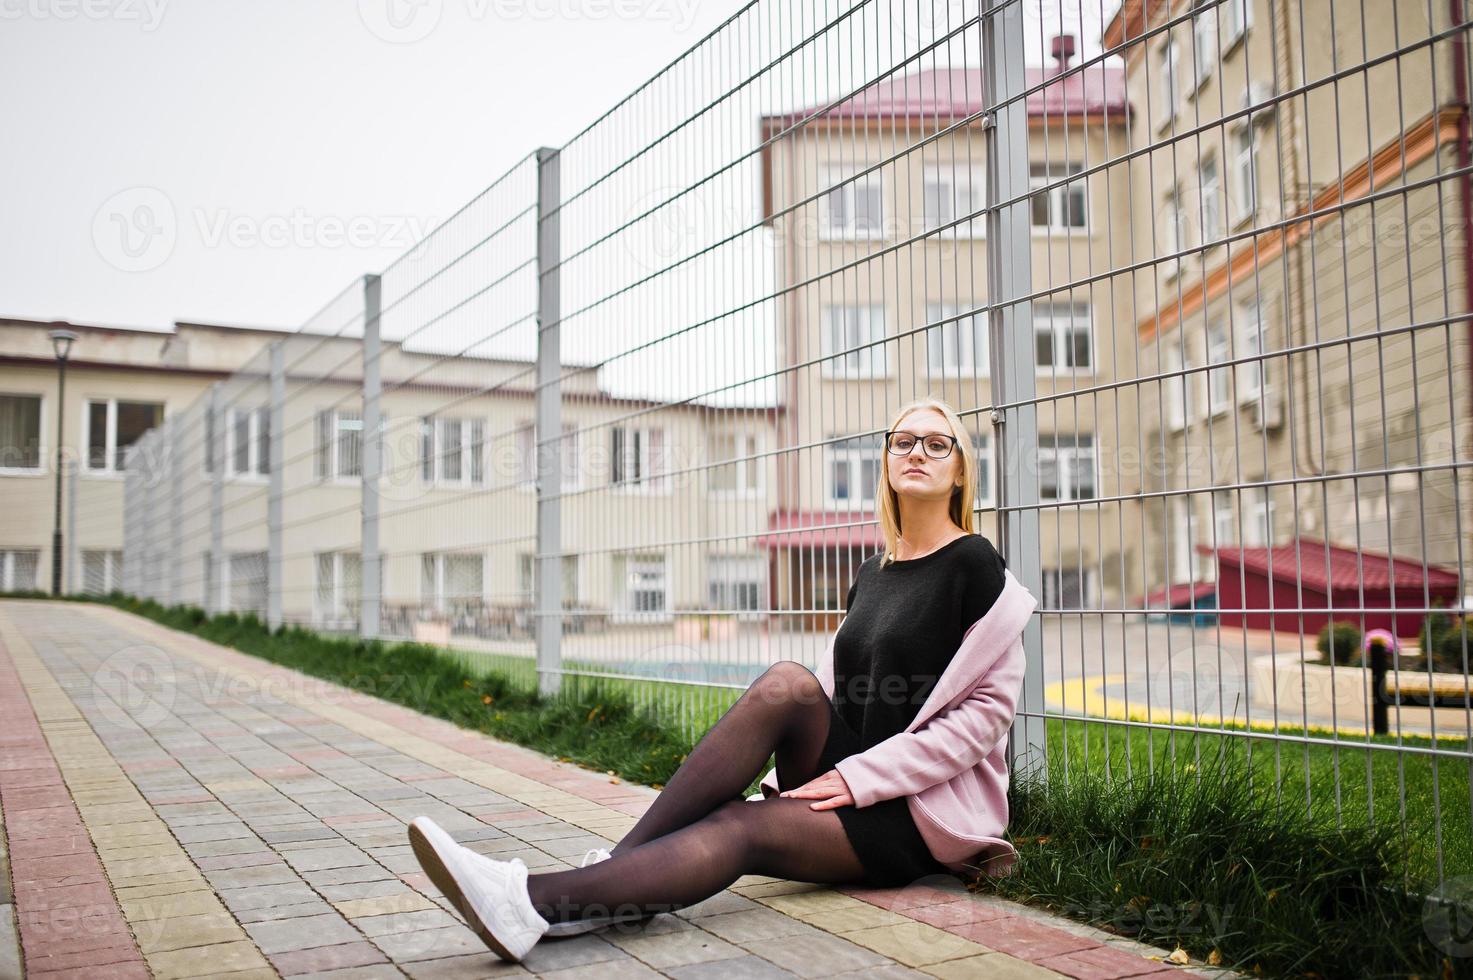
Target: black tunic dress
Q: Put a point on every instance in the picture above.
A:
(903, 624)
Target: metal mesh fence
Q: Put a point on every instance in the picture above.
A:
(1193, 274)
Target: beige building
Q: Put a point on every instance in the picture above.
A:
(457, 507)
(882, 276)
(1301, 203)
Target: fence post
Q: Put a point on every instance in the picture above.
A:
(276, 485)
(369, 559)
(175, 429)
(549, 615)
(69, 469)
(215, 601)
(1010, 275)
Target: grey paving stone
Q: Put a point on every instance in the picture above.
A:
(816, 956)
(263, 896)
(430, 944)
(741, 968)
(276, 912)
(326, 858)
(401, 922)
(285, 935)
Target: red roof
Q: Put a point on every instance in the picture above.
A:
(946, 94)
(1342, 570)
(1183, 595)
(821, 529)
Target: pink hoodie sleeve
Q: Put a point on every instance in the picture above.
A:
(952, 741)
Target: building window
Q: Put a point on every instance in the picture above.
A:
(526, 460)
(1219, 380)
(637, 456)
(951, 193)
(1211, 184)
(450, 583)
(112, 426)
(1058, 203)
(1173, 233)
(1224, 519)
(1061, 336)
(736, 583)
(982, 445)
(339, 444)
(20, 433)
(1066, 467)
(1236, 16)
(1168, 67)
(851, 207)
(248, 442)
(1245, 173)
(1204, 37)
(102, 572)
(744, 474)
(246, 582)
(1066, 588)
(1250, 344)
(1184, 537)
(642, 585)
(853, 343)
(957, 347)
(339, 587)
(1258, 517)
(18, 567)
(527, 578)
(852, 471)
(452, 451)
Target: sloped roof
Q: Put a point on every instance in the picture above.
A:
(1321, 567)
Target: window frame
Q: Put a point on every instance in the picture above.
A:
(1205, 50)
(7, 569)
(335, 449)
(527, 577)
(625, 613)
(984, 445)
(1251, 330)
(853, 451)
(872, 355)
(942, 175)
(438, 601)
(1242, 20)
(345, 606)
(112, 465)
(525, 478)
(1168, 67)
(749, 475)
(1245, 187)
(42, 449)
(1057, 188)
(1065, 475)
(841, 179)
(937, 333)
(1058, 326)
(258, 426)
(1210, 214)
(472, 451)
(653, 478)
(1217, 352)
(1178, 384)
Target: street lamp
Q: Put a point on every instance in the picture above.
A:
(61, 343)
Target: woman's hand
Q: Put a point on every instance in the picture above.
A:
(829, 790)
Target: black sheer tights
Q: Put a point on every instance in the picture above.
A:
(700, 835)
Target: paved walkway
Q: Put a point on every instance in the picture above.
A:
(176, 809)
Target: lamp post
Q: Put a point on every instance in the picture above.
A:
(61, 343)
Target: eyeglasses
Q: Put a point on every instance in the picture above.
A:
(936, 445)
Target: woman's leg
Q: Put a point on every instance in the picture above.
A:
(784, 712)
(782, 838)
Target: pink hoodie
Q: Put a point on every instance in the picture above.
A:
(951, 761)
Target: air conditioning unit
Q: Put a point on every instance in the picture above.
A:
(1266, 410)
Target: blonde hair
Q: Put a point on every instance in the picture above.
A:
(961, 497)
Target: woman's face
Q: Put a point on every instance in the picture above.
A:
(917, 474)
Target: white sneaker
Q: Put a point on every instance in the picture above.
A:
(491, 895)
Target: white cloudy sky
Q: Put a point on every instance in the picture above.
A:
(296, 143)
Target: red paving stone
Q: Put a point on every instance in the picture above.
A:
(325, 958)
(63, 924)
(1026, 939)
(1103, 963)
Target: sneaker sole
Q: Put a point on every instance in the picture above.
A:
(434, 866)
